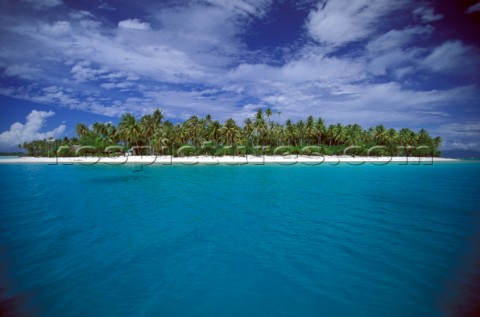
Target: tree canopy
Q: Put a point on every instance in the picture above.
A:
(152, 135)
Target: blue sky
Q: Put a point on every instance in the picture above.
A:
(402, 63)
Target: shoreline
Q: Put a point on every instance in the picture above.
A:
(229, 160)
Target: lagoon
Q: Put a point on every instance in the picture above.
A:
(271, 240)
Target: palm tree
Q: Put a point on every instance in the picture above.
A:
(263, 133)
(391, 136)
(128, 129)
(391, 139)
(208, 119)
(230, 131)
(82, 130)
(319, 130)
(276, 134)
(436, 142)
(423, 137)
(192, 126)
(268, 114)
(157, 116)
(99, 129)
(248, 129)
(290, 132)
(407, 139)
(160, 135)
(111, 133)
(147, 129)
(331, 133)
(259, 125)
(380, 133)
(215, 131)
(301, 131)
(160, 141)
(309, 129)
(339, 134)
(353, 134)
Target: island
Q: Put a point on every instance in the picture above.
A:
(258, 140)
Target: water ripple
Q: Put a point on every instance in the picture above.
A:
(245, 240)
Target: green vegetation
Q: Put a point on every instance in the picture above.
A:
(152, 135)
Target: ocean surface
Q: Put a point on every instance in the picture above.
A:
(392, 240)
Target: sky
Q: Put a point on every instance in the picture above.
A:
(401, 63)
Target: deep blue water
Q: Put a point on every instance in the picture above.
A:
(240, 241)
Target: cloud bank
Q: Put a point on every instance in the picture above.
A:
(371, 62)
(30, 130)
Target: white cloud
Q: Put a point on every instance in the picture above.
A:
(209, 32)
(87, 100)
(195, 41)
(394, 60)
(43, 4)
(367, 103)
(453, 57)
(310, 68)
(426, 14)
(238, 6)
(461, 145)
(30, 130)
(126, 52)
(121, 85)
(24, 71)
(191, 58)
(462, 129)
(319, 68)
(460, 135)
(474, 8)
(105, 6)
(392, 51)
(183, 104)
(133, 24)
(396, 39)
(58, 28)
(80, 15)
(81, 72)
(338, 22)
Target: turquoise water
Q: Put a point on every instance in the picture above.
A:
(240, 241)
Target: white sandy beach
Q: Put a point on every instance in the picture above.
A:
(229, 160)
